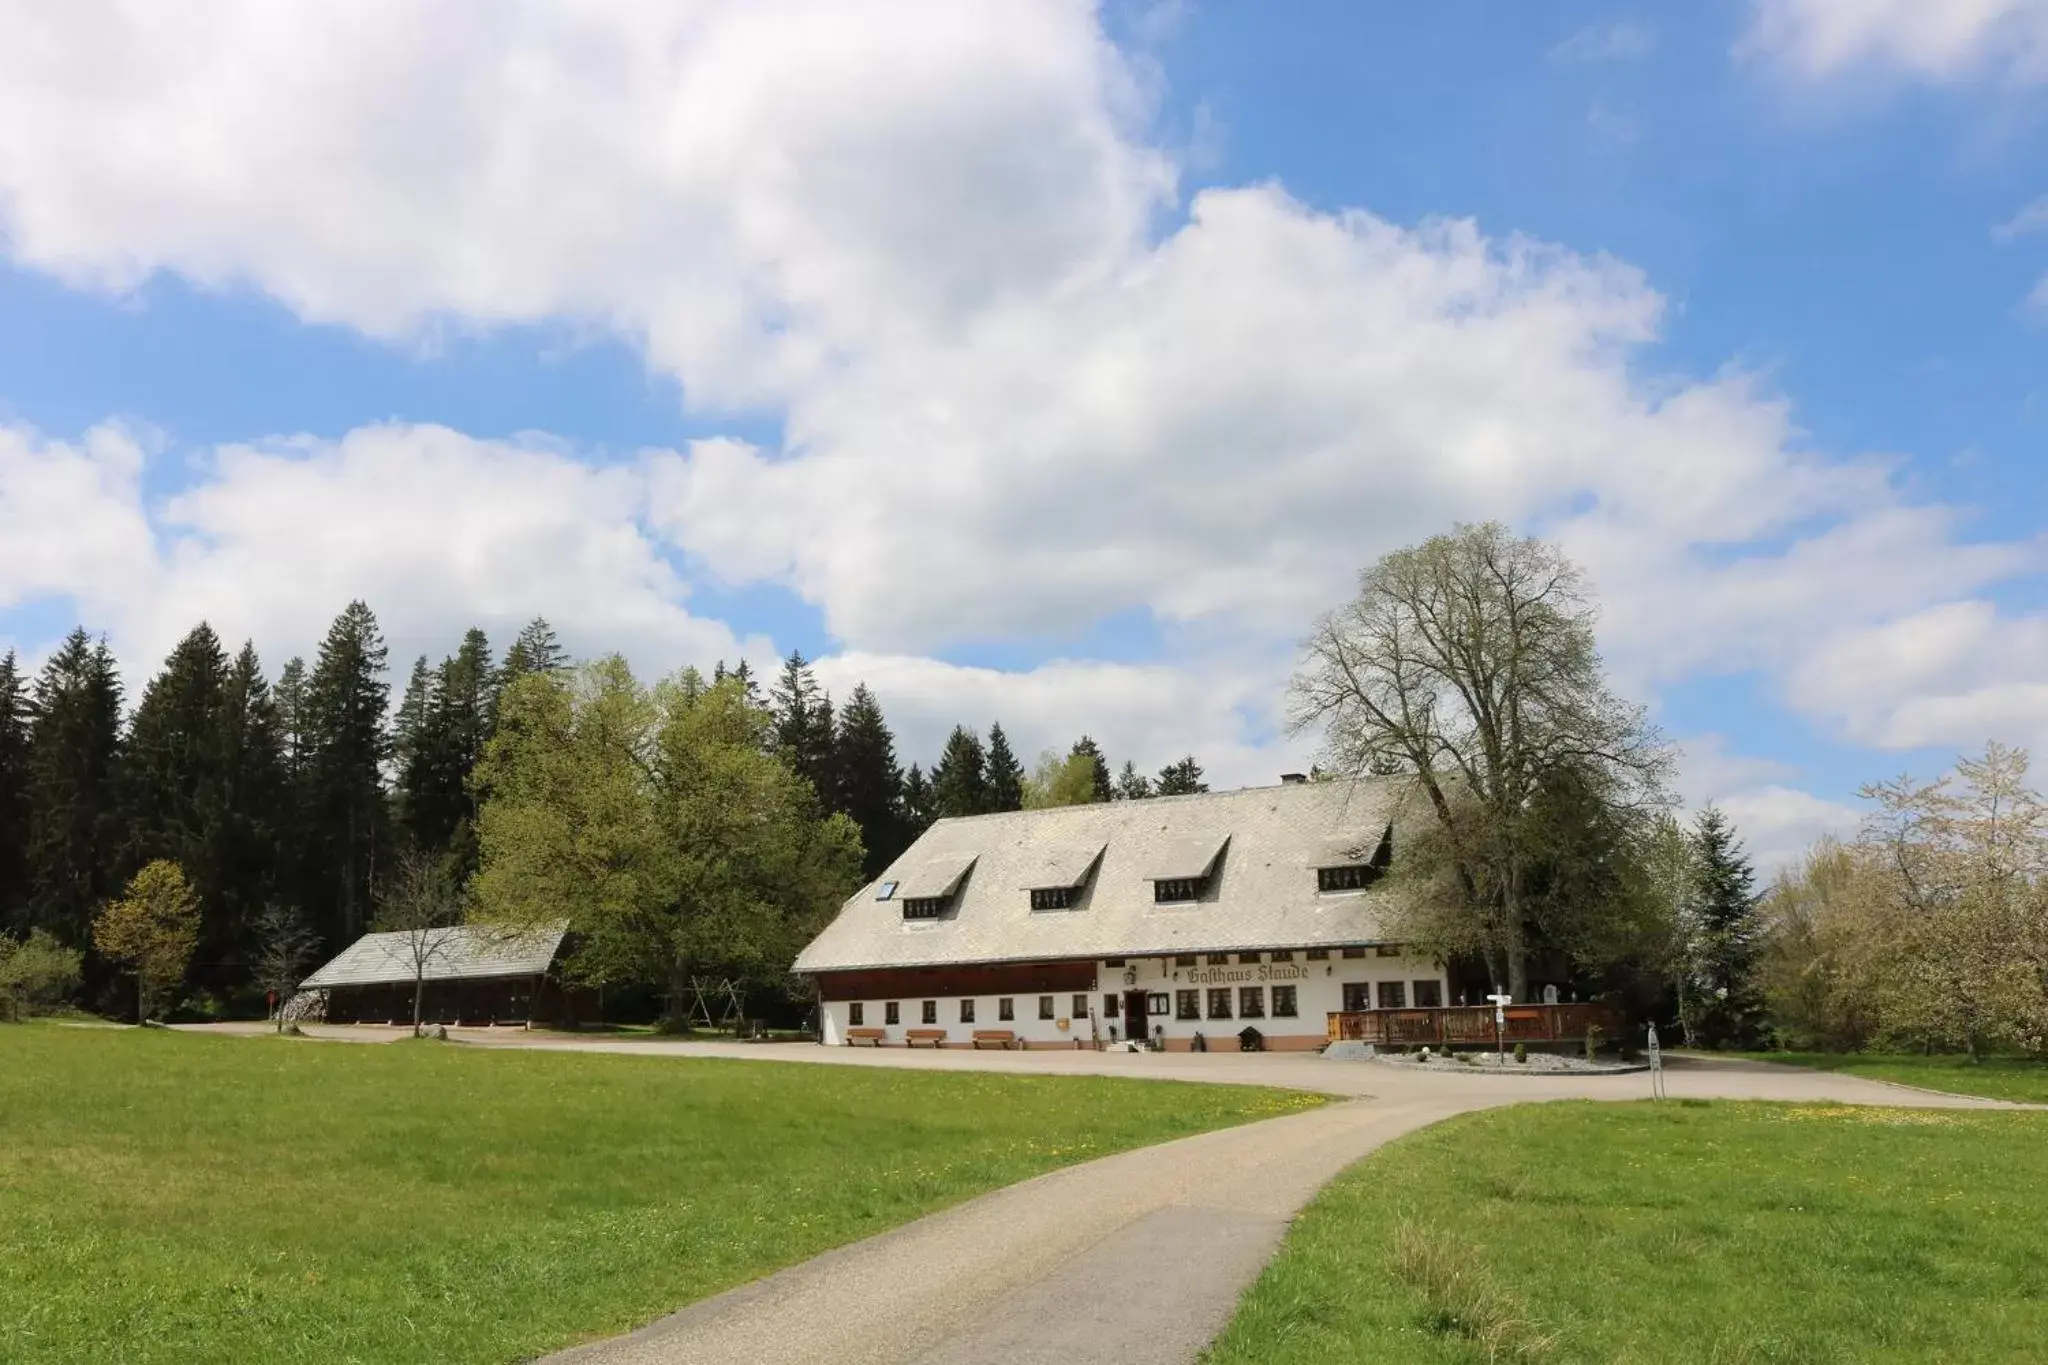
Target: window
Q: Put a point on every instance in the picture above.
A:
(1283, 956)
(854, 1014)
(1283, 1002)
(1080, 1007)
(1357, 996)
(1045, 1007)
(924, 907)
(1251, 1002)
(1168, 889)
(1351, 877)
(931, 1011)
(1387, 950)
(891, 1014)
(1111, 1007)
(1219, 959)
(966, 1011)
(1053, 898)
(1319, 955)
(1187, 1004)
(1354, 952)
(1248, 959)
(1156, 1004)
(1429, 995)
(1185, 960)
(886, 890)
(1112, 962)
(1219, 1002)
(1006, 1009)
(1393, 995)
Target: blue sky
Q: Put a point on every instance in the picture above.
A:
(1055, 366)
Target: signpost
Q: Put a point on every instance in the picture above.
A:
(1500, 999)
(1656, 1066)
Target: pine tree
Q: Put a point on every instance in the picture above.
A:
(293, 717)
(465, 700)
(348, 743)
(15, 716)
(803, 726)
(1004, 773)
(1105, 787)
(1730, 995)
(257, 824)
(175, 780)
(1182, 779)
(918, 808)
(960, 777)
(1132, 785)
(74, 756)
(868, 785)
(535, 650)
(408, 747)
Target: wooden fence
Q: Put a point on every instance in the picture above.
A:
(1472, 1025)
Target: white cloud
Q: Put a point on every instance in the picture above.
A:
(436, 530)
(1933, 40)
(1617, 40)
(1777, 823)
(2032, 218)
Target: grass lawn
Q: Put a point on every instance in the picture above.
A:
(1675, 1231)
(172, 1197)
(2000, 1078)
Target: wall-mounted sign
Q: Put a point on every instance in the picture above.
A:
(1223, 976)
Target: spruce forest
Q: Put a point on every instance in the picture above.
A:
(298, 798)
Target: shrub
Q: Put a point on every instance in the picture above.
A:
(1593, 1040)
(36, 975)
(1522, 1053)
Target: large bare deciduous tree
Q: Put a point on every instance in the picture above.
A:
(1468, 664)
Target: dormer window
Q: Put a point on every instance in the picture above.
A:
(1167, 890)
(1060, 874)
(927, 890)
(1054, 897)
(1350, 877)
(1181, 869)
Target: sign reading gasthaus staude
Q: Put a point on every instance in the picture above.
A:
(1222, 976)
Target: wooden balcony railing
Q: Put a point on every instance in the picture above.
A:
(1473, 1025)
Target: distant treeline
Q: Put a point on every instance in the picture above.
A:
(304, 791)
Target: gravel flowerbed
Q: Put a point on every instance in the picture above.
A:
(1490, 1063)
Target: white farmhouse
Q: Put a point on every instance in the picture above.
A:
(1185, 920)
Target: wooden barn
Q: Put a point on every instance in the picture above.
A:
(475, 976)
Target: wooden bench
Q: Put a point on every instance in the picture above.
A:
(873, 1037)
(930, 1037)
(995, 1037)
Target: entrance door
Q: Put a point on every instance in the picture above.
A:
(1135, 1027)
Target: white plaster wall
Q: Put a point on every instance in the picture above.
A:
(1319, 990)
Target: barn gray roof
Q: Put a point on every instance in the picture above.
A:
(1261, 844)
(458, 952)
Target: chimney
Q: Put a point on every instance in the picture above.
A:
(1289, 779)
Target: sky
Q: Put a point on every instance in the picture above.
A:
(1048, 362)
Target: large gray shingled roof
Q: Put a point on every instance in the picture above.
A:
(1262, 892)
(458, 952)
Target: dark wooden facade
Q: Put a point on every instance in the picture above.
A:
(473, 1001)
(921, 983)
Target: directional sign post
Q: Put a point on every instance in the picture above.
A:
(1501, 999)
(1656, 1066)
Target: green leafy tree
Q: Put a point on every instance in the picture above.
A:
(960, 777)
(661, 824)
(1131, 785)
(1470, 661)
(870, 785)
(1005, 775)
(37, 975)
(75, 832)
(346, 697)
(1183, 778)
(16, 713)
(1099, 779)
(151, 930)
(1057, 781)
